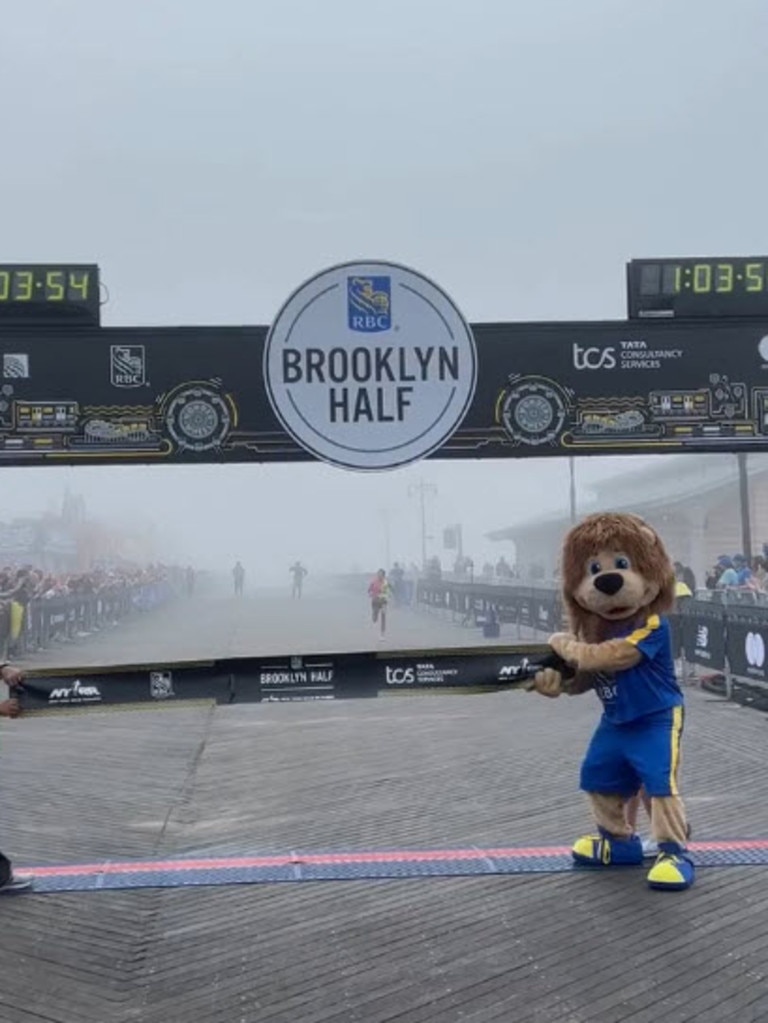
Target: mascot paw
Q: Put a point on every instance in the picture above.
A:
(562, 643)
(673, 870)
(548, 682)
(606, 850)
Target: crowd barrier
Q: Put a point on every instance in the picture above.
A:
(725, 633)
(42, 622)
(491, 605)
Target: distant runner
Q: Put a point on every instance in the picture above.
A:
(238, 575)
(379, 592)
(298, 572)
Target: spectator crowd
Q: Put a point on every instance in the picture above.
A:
(736, 572)
(37, 608)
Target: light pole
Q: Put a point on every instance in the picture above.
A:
(384, 512)
(746, 518)
(572, 470)
(422, 489)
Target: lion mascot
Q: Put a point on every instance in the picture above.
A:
(618, 583)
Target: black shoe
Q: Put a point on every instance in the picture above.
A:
(17, 883)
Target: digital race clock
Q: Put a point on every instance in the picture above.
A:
(49, 292)
(681, 288)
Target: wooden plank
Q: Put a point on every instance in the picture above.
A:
(437, 772)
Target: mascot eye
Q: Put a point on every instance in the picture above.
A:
(622, 563)
(594, 568)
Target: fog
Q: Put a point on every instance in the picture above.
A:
(268, 516)
(211, 157)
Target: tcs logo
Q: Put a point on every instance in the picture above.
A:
(400, 676)
(594, 358)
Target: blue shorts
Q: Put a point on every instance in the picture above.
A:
(621, 758)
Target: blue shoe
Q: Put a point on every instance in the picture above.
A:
(605, 850)
(673, 870)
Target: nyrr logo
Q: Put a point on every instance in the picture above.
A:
(594, 358)
(128, 365)
(76, 693)
(400, 676)
(702, 637)
(512, 671)
(369, 304)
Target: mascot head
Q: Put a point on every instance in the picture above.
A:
(615, 568)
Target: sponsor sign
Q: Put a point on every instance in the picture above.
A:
(77, 693)
(370, 366)
(703, 635)
(128, 365)
(748, 646)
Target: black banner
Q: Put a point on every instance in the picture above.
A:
(440, 670)
(287, 679)
(703, 634)
(343, 676)
(108, 688)
(198, 394)
(747, 645)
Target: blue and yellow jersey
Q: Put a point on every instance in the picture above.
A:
(650, 686)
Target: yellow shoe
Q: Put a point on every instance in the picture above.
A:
(673, 870)
(605, 850)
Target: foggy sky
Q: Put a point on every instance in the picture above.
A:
(210, 157)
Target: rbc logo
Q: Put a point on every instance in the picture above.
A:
(369, 304)
(128, 365)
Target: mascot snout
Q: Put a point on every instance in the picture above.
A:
(609, 583)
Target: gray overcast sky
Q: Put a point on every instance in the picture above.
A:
(211, 156)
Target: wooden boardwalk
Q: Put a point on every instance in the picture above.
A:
(412, 773)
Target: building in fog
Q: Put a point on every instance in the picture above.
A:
(692, 502)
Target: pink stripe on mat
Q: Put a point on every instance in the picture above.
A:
(329, 859)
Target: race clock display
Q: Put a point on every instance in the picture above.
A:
(689, 288)
(49, 293)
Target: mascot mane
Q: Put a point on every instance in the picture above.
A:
(616, 532)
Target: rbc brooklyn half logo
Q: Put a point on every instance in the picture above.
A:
(370, 366)
(369, 304)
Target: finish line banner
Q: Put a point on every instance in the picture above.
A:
(286, 679)
(371, 366)
(93, 688)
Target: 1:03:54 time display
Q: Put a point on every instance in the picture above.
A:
(721, 278)
(71, 286)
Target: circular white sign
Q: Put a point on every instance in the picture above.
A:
(370, 366)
